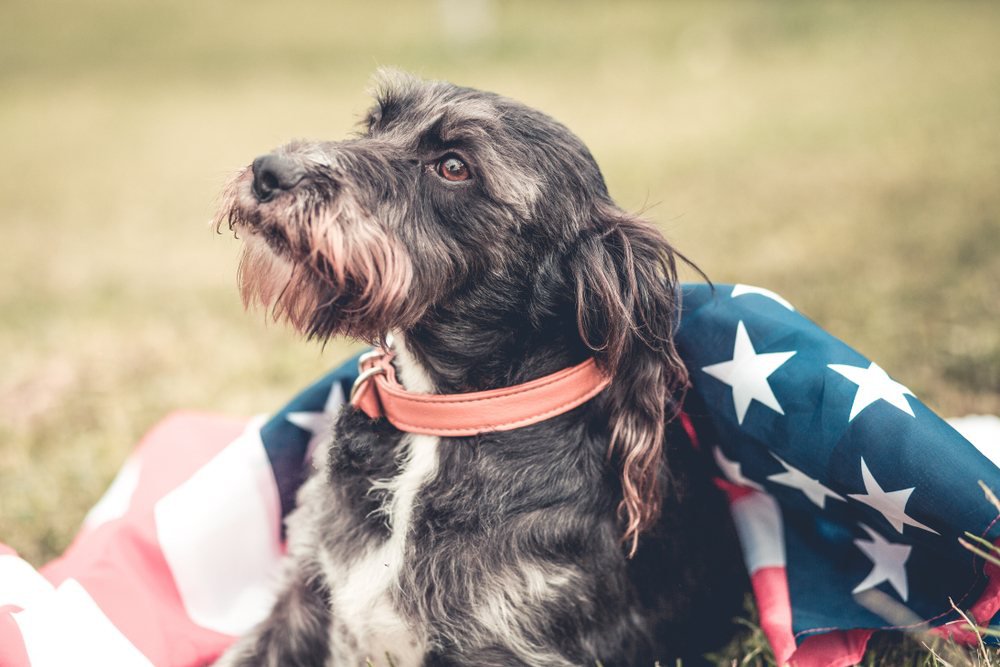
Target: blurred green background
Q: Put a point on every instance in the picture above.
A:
(846, 155)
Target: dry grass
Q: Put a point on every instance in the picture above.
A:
(844, 154)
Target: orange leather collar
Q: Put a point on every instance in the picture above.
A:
(378, 394)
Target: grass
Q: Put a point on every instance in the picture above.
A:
(846, 155)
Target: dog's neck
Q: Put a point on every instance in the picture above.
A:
(410, 372)
(461, 348)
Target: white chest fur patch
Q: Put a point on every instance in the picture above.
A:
(366, 623)
(366, 628)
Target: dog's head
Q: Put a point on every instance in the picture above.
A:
(447, 188)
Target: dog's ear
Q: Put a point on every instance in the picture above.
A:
(628, 305)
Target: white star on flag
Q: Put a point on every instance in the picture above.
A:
(747, 374)
(888, 563)
(320, 424)
(740, 290)
(733, 471)
(797, 479)
(873, 384)
(891, 504)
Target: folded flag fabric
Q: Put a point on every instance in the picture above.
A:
(849, 496)
(848, 493)
(182, 553)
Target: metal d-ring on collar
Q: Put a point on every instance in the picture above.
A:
(365, 375)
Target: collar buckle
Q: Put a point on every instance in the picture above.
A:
(368, 368)
(362, 380)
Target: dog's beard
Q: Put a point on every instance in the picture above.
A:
(326, 269)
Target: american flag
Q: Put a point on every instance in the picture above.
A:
(182, 553)
(848, 494)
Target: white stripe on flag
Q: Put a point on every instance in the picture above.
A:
(983, 431)
(20, 584)
(220, 534)
(67, 627)
(115, 501)
(758, 523)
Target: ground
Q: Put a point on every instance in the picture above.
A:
(846, 155)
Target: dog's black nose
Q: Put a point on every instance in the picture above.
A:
(273, 173)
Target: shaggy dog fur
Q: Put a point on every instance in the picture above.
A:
(480, 234)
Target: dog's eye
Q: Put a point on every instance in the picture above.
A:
(451, 168)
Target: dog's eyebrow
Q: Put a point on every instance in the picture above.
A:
(452, 129)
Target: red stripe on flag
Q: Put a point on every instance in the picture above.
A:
(983, 611)
(733, 491)
(12, 651)
(770, 588)
(840, 648)
(688, 425)
(120, 563)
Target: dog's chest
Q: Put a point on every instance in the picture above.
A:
(364, 584)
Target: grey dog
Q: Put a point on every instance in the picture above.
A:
(480, 234)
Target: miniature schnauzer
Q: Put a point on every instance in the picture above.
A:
(478, 235)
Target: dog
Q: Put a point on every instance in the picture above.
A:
(474, 240)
